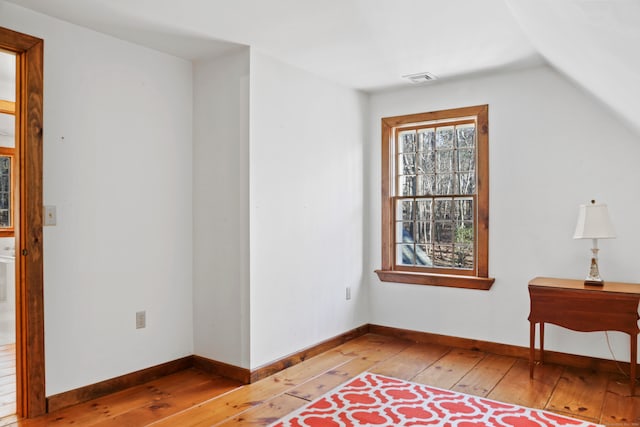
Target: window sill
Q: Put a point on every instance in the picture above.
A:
(447, 280)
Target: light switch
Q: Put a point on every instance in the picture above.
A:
(50, 215)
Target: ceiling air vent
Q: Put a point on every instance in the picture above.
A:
(420, 77)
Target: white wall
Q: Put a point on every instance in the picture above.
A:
(221, 208)
(7, 76)
(121, 181)
(552, 147)
(306, 184)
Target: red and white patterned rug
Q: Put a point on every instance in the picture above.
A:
(376, 400)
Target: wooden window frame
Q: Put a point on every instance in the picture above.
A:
(478, 278)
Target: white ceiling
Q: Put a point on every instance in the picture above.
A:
(364, 44)
(370, 44)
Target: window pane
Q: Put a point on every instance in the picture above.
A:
(422, 256)
(466, 182)
(463, 209)
(407, 185)
(426, 162)
(426, 140)
(463, 256)
(404, 232)
(5, 173)
(423, 232)
(5, 191)
(442, 209)
(407, 142)
(407, 164)
(444, 137)
(464, 232)
(404, 255)
(466, 160)
(443, 232)
(442, 256)
(426, 185)
(423, 212)
(404, 209)
(444, 161)
(445, 184)
(466, 135)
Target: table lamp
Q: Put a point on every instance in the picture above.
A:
(594, 224)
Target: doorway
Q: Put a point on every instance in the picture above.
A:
(7, 237)
(26, 215)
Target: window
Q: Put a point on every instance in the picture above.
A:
(435, 198)
(7, 150)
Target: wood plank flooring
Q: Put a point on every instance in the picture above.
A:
(194, 398)
(7, 380)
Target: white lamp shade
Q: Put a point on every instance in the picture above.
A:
(594, 222)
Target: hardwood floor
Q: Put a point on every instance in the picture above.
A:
(194, 398)
(7, 380)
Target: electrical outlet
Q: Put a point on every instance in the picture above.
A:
(141, 319)
(348, 293)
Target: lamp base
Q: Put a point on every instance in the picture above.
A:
(593, 278)
(594, 282)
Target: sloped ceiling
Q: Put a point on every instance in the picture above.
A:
(594, 42)
(371, 44)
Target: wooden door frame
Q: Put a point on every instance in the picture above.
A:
(30, 374)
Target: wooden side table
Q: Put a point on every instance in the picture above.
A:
(571, 304)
